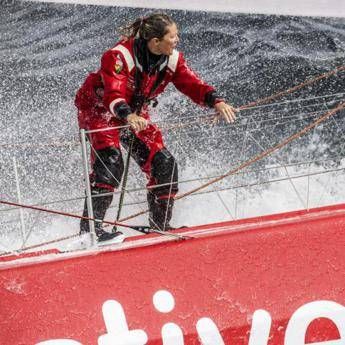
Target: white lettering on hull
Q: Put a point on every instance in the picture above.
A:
(118, 332)
(305, 315)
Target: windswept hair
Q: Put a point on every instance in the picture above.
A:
(152, 26)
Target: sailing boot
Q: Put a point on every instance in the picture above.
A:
(160, 212)
(100, 204)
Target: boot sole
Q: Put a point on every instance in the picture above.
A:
(117, 239)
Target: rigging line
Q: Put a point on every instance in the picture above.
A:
(283, 115)
(72, 215)
(305, 205)
(341, 94)
(218, 195)
(270, 181)
(244, 107)
(272, 97)
(23, 249)
(333, 159)
(288, 91)
(239, 126)
(31, 229)
(288, 110)
(46, 203)
(284, 112)
(207, 121)
(298, 103)
(106, 168)
(333, 119)
(170, 189)
(207, 192)
(342, 147)
(309, 166)
(244, 144)
(227, 209)
(169, 127)
(258, 157)
(308, 187)
(297, 100)
(111, 174)
(207, 116)
(324, 190)
(124, 179)
(109, 223)
(42, 144)
(279, 94)
(8, 251)
(286, 171)
(225, 133)
(292, 89)
(76, 142)
(144, 201)
(316, 173)
(106, 129)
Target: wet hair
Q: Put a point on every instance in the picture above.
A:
(154, 25)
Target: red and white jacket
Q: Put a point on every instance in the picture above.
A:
(111, 89)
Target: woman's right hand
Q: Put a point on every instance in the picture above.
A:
(136, 122)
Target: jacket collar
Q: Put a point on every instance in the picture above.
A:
(145, 61)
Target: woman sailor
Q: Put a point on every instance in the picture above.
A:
(132, 74)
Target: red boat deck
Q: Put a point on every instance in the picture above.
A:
(270, 280)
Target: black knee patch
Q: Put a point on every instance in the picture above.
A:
(139, 151)
(108, 166)
(165, 171)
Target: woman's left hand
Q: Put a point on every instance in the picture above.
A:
(227, 111)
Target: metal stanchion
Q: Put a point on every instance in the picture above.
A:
(88, 186)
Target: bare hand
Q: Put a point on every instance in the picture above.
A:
(137, 123)
(227, 111)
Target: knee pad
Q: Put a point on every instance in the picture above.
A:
(139, 150)
(108, 167)
(165, 171)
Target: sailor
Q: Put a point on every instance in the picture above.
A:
(132, 74)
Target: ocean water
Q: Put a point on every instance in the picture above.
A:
(47, 50)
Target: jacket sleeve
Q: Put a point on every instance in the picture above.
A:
(114, 73)
(189, 83)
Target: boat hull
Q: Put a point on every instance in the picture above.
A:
(270, 280)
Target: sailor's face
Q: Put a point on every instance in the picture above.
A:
(167, 44)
